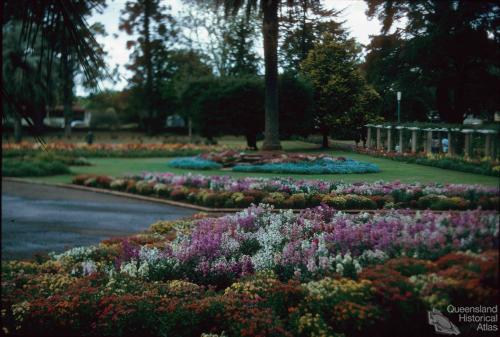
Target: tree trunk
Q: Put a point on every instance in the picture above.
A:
(67, 92)
(149, 68)
(18, 129)
(270, 33)
(251, 141)
(324, 143)
(443, 104)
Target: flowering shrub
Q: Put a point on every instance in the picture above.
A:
(259, 273)
(194, 163)
(229, 192)
(319, 166)
(109, 150)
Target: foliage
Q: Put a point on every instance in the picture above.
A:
(235, 106)
(157, 30)
(445, 58)
(32, 167)
(332, 68)
(107, 118)
(45, 24)
(301, 27)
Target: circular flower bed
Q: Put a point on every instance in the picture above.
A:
(275, 163)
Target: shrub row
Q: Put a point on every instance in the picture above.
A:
(29, 167)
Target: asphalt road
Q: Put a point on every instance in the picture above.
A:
(40, 218)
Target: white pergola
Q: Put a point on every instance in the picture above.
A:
(489, 140)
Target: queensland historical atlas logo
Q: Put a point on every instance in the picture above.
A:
(482, 318)
(442, 324)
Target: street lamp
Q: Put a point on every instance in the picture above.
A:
(398, 95)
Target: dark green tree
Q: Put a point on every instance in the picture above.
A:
(332, 66)
(387, 70)
(240, 37)
(301, 26)
(151, 21)
(455, 46)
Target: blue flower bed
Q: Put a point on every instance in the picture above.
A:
(194, 163)
(320, 166)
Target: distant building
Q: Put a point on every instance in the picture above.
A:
(55, 117)
(175, 121)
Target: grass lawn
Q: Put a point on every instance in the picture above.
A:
(390, 170)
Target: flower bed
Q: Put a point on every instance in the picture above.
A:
(270, 162)
(229, 192)
(194, 163)
(109, 150)
(259, 273)
(319, 166)
(485, 167)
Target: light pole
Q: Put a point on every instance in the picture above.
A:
(398, 95)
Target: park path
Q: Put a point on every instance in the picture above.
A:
(41, 218)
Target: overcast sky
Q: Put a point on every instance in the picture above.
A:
(115, 42)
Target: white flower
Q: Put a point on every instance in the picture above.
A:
(129, 268)
(88, 267)
(339, 269)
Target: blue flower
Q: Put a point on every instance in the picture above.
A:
(194, 163)
(319, 166)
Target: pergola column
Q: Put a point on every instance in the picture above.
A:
(451, 150)
(369, 137)
(389, 139)
(467, 145)
(489, 142)
(401, 142)
(414, 140)
(428, 143)
(379, 145)
(487, 145)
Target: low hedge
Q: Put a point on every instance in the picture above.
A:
(32, 167)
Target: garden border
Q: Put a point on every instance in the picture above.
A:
(187, 205)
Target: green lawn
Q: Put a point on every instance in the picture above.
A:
(390, 170)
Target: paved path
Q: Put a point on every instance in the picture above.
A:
(40, 218)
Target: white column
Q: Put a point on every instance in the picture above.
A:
(389, 140)
(467, 146)
(379, 145)
(414, 141)
(451, 150)
(487, 147)
(401, 142)
(428, 147)
(369, 138)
